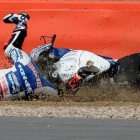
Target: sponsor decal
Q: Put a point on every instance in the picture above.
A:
(66, 75)
(69, 54)
(14, 55)
(4, 86)
(20, 54)
(27, 84)
(38, 81)
(14, 82)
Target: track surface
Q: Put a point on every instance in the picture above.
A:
(15, 128)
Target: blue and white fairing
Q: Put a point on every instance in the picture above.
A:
(71, 60)
(113, 62)
(58, 52)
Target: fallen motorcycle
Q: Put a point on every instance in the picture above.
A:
(59, 65)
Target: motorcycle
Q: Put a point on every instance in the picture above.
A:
(59, 69)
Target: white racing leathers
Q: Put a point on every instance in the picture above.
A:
(23, 77)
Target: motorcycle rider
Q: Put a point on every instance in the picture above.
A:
(23, 79)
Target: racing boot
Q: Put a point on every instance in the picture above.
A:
(16, 18)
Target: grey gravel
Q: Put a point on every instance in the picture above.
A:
(123, 112)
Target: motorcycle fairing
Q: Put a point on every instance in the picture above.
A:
(69, 64)
(60, 52)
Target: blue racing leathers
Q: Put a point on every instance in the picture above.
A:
(24, 77)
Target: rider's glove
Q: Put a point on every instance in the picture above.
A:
(74, 83)
(29, 95)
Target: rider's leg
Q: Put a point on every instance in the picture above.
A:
(15, 40)
(19, 33)
(12, 51)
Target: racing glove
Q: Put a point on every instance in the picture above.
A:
(74, 83)
(29, 95)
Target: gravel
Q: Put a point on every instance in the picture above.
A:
(110, 102)
(88, 111)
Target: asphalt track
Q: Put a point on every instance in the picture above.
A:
(32, 128)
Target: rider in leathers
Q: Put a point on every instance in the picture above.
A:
(24, 78)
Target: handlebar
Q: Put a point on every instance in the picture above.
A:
(52, 41)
